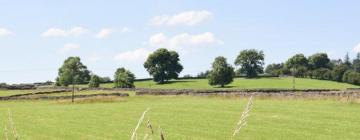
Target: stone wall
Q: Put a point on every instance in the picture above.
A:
(256, 92)
(30, 97)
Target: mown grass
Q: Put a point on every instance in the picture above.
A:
(185, 117)
(242, 83)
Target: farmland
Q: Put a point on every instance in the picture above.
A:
(184, 117)
(242, 83)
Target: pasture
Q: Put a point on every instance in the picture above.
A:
(242, 83)
(184, 117)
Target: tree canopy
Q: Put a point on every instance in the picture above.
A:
(319, 60)
(222, 73)
(163, 65)
(251, 62)
(72, 72)
(94, 81)
(124, 78)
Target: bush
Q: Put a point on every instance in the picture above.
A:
(124, 79)
(351, 77)
(94, 81)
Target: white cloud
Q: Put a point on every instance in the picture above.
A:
(5, 32)
(184, 40)
(132, 56)
(357, 48)
(69, 47)
(104, 33)
(125, 29)
(58, 32)
(188, 18)
(93, 57)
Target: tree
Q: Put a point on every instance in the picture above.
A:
(163, 65)
(319, 60)
(203, 74)
(356, 63)
(105, 79)
(347, 60)
(298, 65)
(124, 78)
(94, 81)
(72, 72)
(222, 73)
(251, 62)
(274, 69)
(338, 72)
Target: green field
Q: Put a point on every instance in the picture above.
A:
(184, 117)
(241, 83)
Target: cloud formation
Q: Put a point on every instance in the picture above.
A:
(133, 56)
(69, 47)
(357, 48)
(188, 18)
(184, 40)
(5, 32)
(104, 33)
(58, 32)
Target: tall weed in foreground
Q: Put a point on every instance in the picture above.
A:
(11, 127)
(243, 119)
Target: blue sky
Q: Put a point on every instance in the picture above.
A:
(36, 36)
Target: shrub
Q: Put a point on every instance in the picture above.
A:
(124, 78)
(94, 81)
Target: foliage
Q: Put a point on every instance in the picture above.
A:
(338, 72)
(321, 73)
(163, 65)
(203, 74)
(105, 79)
(298, 60)
(275, 69)
(356, 63)
(319, 60)
(94, 81)
(351, 77)
(124, 78)
(222, 73)
(72, 72)
(251, 62)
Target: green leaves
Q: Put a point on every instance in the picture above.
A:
(222, 73)
(72, 72)
(163, 65)
(251, 62)
(124, 78)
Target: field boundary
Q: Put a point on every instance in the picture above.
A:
(255, 92)
(63, 97)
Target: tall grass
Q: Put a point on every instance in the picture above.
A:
(11, 126)
(134, 134)
(243, 119)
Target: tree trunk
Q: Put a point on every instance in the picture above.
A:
(222, 85)
(73, 90)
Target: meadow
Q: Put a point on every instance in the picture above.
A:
(184, 117)
(242, 83)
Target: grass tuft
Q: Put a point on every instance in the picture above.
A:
(243, 119)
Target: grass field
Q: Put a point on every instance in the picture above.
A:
(184, 117)
(285, 83)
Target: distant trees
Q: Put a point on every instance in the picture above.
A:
(163, 65)
(298, 65)
(275, 69)
(124, 78)
(94, 81)
(251, 62)
(319, 60)
(203, 74)
(222, 73)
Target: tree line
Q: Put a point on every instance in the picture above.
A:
(164, 65)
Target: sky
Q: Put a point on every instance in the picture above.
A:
(36, 36)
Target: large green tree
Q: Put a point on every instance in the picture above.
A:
(298, 65)
(319, 60)
(124, 78)
(163, 65)
(274, 69)
(356, 63)
(222, 73)
(72, 72)
(251, 62)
